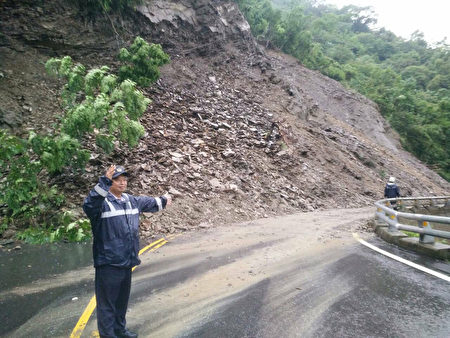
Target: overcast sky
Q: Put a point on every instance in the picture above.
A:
(403, 17)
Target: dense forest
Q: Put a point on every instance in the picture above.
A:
(408, 79)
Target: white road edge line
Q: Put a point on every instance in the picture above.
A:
(402, 260)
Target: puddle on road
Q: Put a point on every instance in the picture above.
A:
(33, 262)
(38, 275)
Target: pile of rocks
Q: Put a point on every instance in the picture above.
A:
(234, 132)
(206, 148)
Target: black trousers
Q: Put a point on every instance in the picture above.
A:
(112, 291)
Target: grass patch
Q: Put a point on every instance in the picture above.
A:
(410, 233)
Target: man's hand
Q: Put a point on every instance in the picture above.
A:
(109, 173)
(168, 199)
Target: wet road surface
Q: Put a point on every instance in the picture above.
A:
(302, 275)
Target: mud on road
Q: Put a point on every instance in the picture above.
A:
(302, 275)
(197, 273)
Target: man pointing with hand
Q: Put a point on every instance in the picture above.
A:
(114, 217)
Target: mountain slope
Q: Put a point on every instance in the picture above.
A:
(235, 131)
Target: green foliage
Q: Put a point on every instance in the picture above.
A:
(20, 186)
(3, 227)
(409, 80)
(28, 199)
(96, 102)
(94, 79)
(420, 75)
(70, 230)
(103, 104)
(132, 99)
(34, 235)
(263, 19)
(142, 62)
(10, 147)
(410, 233)
(73, 73)
(57, 152)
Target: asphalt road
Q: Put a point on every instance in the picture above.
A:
(302, 275)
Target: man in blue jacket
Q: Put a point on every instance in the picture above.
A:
(114, 217)
(391, 190)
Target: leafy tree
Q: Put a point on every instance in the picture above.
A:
(264, 20)
(100, 105)
(95, 102)
(57, 152)
(297, 39)
(419, 74)
(361, 17)
(401, 60)
(22, 190)
(104, 105)
(142, 62)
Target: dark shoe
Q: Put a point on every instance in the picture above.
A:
(125, 334)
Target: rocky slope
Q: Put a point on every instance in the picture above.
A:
(234, 131)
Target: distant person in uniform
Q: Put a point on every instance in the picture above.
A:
(392, 191)
(114, 217)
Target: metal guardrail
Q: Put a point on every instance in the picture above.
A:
(387, 213)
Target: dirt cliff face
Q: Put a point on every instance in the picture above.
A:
(201, 26)
(234, 131)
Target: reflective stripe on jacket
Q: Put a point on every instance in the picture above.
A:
(115, 224)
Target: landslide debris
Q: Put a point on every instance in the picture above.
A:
(234, 132)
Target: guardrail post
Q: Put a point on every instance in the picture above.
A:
(392, 228)
(423, 238)
(378, 220)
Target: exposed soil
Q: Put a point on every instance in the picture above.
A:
(235, 132)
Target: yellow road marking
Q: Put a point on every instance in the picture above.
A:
(78, 330)
(82, 322)
(150, 245)
(153, 249)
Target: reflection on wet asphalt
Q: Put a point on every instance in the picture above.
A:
(34, 262)
(286, 277)
(381, 298)
(426, 261)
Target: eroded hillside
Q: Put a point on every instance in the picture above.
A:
(234, 131)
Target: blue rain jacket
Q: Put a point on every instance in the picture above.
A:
(391, 190)
(115, 224)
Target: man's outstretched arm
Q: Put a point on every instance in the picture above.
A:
(153, 204)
